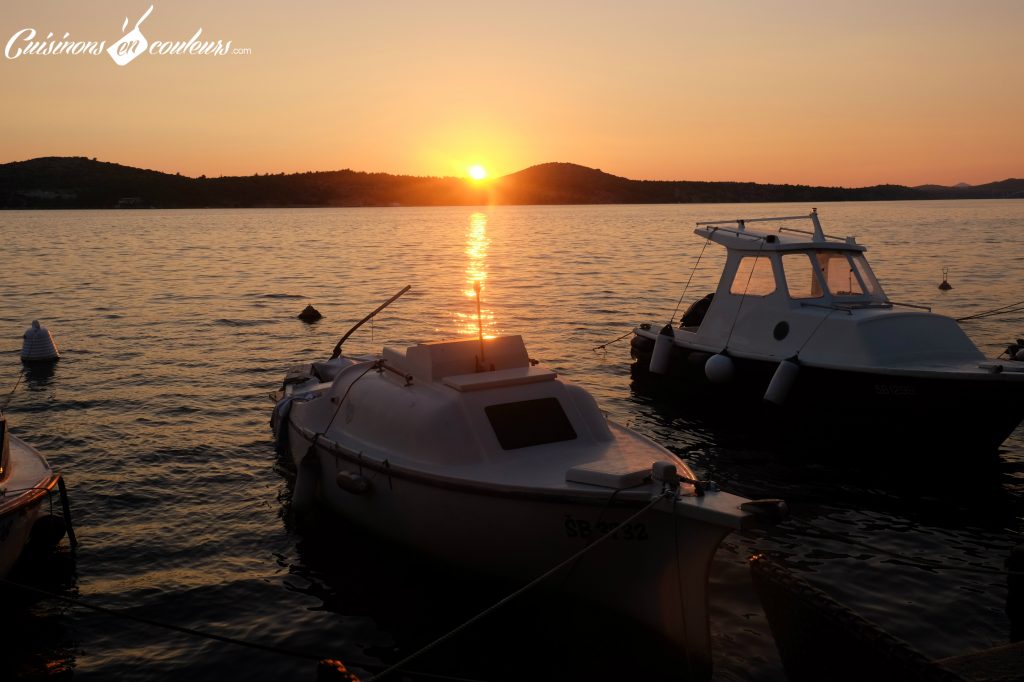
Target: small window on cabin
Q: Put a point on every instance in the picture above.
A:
(800, 278)
(529, 422)
(754, 277)
(839, 275)
(866, 275)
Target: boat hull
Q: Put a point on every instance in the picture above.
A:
(652, 570)
(24, 505)
(851, 409)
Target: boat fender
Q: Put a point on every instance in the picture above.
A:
(719, 369)
(769, 510)
(662, 355)
(350, 481)
(307, 477)
(782, 381)
(1019, 355)
(47, 531)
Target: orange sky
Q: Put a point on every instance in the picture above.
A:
(825, 93)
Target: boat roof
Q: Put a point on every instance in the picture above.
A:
(735, 234)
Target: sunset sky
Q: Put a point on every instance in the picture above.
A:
(817, 92)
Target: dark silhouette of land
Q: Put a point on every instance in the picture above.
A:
(78, 182)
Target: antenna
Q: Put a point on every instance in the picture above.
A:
(479, 322)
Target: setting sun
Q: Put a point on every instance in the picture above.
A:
(477, 172)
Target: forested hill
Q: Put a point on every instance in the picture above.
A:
(78, 182)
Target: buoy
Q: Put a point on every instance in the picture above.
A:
(38, 345)
(307, 477)
(719, 369)
(782, 381)
(661, 356)
(945, 286)
(310, 314)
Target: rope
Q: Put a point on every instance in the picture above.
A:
(605, 345)
(7, 399)
(680, 301)
(497, 605)
(1002, 310)
(193, 632)
(373, 365)
(121, 613)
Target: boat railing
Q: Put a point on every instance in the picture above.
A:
(817, 234)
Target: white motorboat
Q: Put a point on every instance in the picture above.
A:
(800, 323)
(469, 452)
(26, 485)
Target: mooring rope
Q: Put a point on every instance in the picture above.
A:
(616, 340)
(1002, 310)
(505, 600)
(10, 394)
(201, 634)
(680, 301)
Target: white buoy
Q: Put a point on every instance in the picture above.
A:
(661, 356)
(38, 344)
(782, 382)
(719, 369)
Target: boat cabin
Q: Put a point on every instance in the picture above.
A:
(788, 291)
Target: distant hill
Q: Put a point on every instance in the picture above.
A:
(78, 182)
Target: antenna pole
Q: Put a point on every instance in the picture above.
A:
(360, 323)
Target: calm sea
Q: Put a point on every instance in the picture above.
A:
(175, 325)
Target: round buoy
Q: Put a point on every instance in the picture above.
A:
(782, 382)
(38, 344)
(310, 314)
(719, 369)
(662, 354)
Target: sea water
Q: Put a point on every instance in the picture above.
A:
(174, 326)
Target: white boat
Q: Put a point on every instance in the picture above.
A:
(800, 322)
(469, 452)
(26, 485)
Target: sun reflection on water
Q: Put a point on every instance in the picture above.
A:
(477, 243)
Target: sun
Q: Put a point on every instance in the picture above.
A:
(477, 172)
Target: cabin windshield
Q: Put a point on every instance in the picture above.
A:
(843, 273)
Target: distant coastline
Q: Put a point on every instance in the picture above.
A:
(82, 183)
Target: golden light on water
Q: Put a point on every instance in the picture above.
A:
(477, 243)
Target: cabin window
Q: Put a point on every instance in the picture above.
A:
(529, 422)
(801, 280)
(839, 273)
(867, 277)
(754, 277)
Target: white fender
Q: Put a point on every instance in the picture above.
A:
(661, 357)
(782, 382)
(719, 369)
